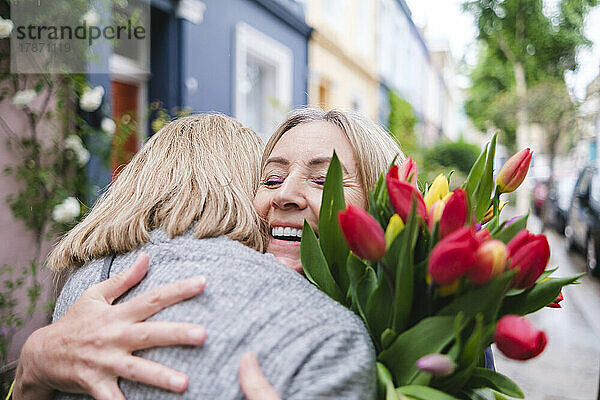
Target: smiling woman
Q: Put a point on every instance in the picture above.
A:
(295, 163)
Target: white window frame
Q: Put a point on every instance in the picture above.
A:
(249, 40)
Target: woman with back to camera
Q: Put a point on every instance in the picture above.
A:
(290, 191)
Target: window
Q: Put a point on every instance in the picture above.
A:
(263, 80)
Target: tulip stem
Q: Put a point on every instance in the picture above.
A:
(496, 217)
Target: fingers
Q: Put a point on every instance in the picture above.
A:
(152, 373)
(145, 335)
(114, 287)
(107, 391)
(252, 381)
(147, 304)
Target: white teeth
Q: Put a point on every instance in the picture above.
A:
(287, 231)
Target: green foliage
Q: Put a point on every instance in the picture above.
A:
(458, 156)
(401, 123)
(517, 35)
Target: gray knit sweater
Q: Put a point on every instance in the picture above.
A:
(309, 346)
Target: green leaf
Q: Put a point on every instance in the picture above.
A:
(475, 174)
(384, 382)
(334, 246)
(483, 377)
(424, 393)
(485, 299)
(315, 266)
(404, 284)
(485, 187)
(356, 269)
(430, 335)
(509, 232)
(379, 308)
(539, 296)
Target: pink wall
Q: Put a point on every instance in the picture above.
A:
(17, 243)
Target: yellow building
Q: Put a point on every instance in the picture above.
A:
(341, 55)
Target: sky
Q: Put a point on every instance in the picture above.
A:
(445, 22)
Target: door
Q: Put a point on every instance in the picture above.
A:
(125, 141)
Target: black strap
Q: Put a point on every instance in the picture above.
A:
(108, 262)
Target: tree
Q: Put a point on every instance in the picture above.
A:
(532, 45)
(550, 105)
(401, 123)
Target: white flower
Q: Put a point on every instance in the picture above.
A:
(24, 97)
(6, 27)
(91, 17)
(91, 99)
(66, 211)
(74, 143)
(108, 126)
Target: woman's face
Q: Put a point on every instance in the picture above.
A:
(292, 184)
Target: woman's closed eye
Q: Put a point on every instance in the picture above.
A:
(273, 181)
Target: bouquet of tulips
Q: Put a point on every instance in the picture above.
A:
(436, 277)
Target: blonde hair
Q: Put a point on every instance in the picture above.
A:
(200, 171)
(373, 147)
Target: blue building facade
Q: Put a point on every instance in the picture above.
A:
(245, 58)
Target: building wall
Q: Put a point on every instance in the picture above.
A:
(342, 58)
(208, 54)
(406, 65)
(17, 242)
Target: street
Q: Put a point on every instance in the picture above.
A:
(569, 368)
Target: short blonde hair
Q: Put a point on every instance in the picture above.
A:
(200, 171)
(373, 147)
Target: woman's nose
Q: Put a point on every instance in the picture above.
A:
(290, 195)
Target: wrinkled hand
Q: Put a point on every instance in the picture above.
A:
(91, 345)
(252, 381)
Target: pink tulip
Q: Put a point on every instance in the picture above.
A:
(529, 254)
(455, 213)
(403, 194)
(513, 172)
(452, 257)
(363, 233)
(518, 339)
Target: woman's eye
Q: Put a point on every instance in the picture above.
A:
(273, 181)
(319, 181)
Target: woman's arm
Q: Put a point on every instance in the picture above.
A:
(90, 346)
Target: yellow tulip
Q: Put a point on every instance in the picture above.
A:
(437, 191)
(395, 226)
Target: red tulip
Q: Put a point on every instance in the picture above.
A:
(558, 299)
(518, 339)
(454, 215)
(408, 171)
(529, 254)
(363, 233)
(483, 235)
(403, 194)
(452, 257)
(490, 260)
(513, 172)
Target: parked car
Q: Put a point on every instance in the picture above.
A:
(582, 230)
(556, 206)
